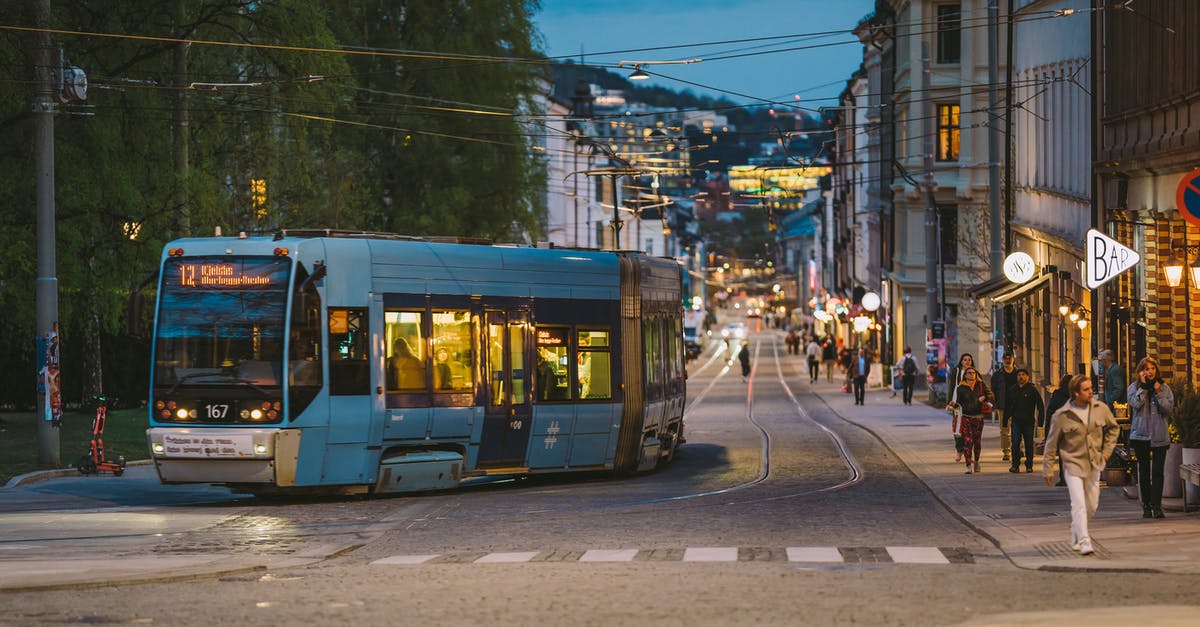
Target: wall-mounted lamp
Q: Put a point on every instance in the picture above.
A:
(1075, 312)
(1174, 270)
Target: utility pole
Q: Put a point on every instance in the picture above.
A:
(183, 215)
(931, 221)
(997, 256)
(46, 63)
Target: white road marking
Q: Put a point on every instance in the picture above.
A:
(404, 559)
(710, 554)
(814, 554)
(609, 555)
(917, 555)
(507, 558)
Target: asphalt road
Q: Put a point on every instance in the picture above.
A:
(775, 511)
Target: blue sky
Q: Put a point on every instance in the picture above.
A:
(815, 75)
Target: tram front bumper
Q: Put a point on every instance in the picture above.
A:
(217, 455)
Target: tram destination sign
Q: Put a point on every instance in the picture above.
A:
(221, 274)
(1106, 258)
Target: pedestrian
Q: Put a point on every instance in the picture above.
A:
(1025, 409)
(1114, 389)
(1058, 398)
(908, 375)
(971, 395)
(1083, 433)
(966, 360)
(813, 352)
(793, 342)
(829, 357)
(1150, 405)
(846, 357)
(1004, 378)
(744, 357)
(862, 367)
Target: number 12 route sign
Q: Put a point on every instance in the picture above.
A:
(1106, 258)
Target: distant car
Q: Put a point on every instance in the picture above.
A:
(734, 331)
(754, 312)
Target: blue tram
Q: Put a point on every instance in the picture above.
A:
(363, 362)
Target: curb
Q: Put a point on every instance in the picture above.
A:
(43, 475)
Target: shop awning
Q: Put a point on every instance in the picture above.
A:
(1001, 290)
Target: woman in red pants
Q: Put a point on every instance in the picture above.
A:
(972, 394)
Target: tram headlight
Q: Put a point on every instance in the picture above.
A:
(158, 448)
(256, 414)
(182, 413)
(260, 448)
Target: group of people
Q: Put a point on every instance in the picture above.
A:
(1081, 430)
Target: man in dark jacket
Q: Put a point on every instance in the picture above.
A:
(1004, 378)
(1024, 410)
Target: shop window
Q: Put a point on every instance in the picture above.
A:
(594, 364)
(404, 337)
(348, 348)
(452, 353)
(553, 381)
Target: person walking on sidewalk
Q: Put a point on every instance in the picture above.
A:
(908, 374)
(1150, 405)
(1114, 379)
(1024, 403)
(829, 357)
(972, 393)
(813, 355)
(861, 367)
(1083, 433)
(1058, 398)
(952, 382)
(1003, 379)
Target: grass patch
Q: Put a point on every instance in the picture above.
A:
(124, 434)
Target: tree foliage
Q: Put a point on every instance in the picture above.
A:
(313, 97)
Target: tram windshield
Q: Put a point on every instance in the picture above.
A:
(221, 322)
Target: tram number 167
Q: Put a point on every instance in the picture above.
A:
(216, 412)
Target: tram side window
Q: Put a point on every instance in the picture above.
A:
(653, 357)
(348, 352)
(304, 358)
(594, 365)
(553, 367)
(452, 353)
(675, 347)
(404, 334)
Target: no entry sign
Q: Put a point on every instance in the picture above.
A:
(1187, 197)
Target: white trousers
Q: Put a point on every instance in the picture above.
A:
(1085, 498)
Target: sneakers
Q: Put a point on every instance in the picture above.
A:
(976, 466)
(1085, 547)
(1005, 457)
(1014, 469)
(1029, 469)
(968, 469)
(958, 456)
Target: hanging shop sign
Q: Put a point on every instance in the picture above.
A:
(1106, 258)
(1018, 267)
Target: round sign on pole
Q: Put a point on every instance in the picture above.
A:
(1018, 267)
(1187, 197)
(870, 301)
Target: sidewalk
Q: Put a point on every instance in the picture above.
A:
(1026, 519)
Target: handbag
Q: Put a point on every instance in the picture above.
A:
(955, 419)
(987, 406)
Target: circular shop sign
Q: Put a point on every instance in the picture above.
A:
(1018, 267)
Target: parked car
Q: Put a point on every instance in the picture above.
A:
(734, 331)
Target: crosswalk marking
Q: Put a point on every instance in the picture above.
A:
(507, 558)
(405, 559)
(917, 555)
(794, 554)
(814, 554)
(609, 555)
(710, 554)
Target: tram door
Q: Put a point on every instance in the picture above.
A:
(508, 416)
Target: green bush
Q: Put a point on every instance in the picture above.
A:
(1185, 419)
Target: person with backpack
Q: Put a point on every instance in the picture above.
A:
(908, 374)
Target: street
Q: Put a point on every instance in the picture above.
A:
(777, 510)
